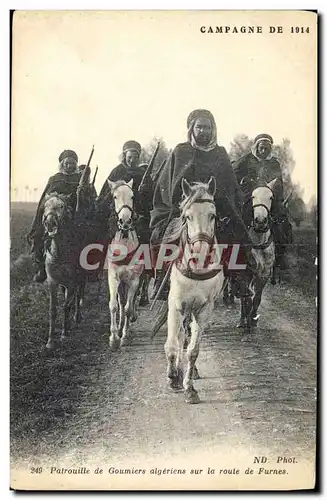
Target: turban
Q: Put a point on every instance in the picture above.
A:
(257, 140)
(199, 113)
(191, 119)
(68, 153)
(264, 137)
(132, 145)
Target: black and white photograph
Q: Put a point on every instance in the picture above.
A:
(163, 250)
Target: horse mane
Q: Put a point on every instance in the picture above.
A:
(61, 196)
(199, 190)
(118, 184)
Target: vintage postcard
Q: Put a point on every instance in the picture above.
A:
(163, 250)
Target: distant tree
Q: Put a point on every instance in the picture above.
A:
(240, 146)
(296, 208)
(27, 190)
(312, 211)
(35, 193)
(149, 149)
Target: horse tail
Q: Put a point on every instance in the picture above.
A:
(161, 319)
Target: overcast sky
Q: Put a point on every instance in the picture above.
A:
(84, 78)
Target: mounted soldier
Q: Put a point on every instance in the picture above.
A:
(65, 182)
(129, 169)
(261, 165)
(196, 161)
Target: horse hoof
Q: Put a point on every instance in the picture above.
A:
(226, 302)
(191, 397)
(175, 384)
(144, 302)
(273, 281)
(114, 343)
(254, 321)
(124, 342)
(247, 338)
(78, 318)
(196, 375)
(133, 319)
(241, 324)
(50, 346)
(175, 380)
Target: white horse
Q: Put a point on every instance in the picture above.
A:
(192, 290)
(263, 253)
(123, 278)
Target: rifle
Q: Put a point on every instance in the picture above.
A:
(84, 180)
(95, 174)
(287, 199)
(149, 169)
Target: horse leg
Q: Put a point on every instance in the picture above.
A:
(232, 291)
(241, 323)
(191, 395)
(134, 313)
(53, 289)
(82, 291)
(121, 295)
(174, 347)
(144, 300)
(113, 307)
(226, 292)
(273, 277)
(79, 300)
(188, 334)
(256, 302)
(69, 300)
(129, 310)
(100, 276)
(246, 305)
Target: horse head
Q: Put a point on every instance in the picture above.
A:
(123, 197)
(198, 210)
(58, 210)
(262, 198)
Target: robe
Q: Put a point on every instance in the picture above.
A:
(197, 166)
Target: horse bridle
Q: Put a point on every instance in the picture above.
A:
(202, 236)
(59, 220)
(267, 227)
(131, 226)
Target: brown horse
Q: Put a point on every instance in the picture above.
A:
(63, 243)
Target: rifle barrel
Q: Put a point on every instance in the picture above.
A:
(149, 169)
(90, 157)
(95, 174)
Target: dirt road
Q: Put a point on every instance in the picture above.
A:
(87, 405)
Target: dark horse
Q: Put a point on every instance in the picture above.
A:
(66, 234)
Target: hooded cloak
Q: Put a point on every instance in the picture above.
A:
(196, 165)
